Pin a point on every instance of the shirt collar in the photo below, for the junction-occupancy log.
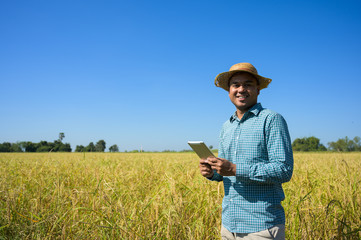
(255, 110)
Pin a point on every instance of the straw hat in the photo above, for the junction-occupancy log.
(222, 79)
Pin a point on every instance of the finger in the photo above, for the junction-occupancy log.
(221, 160)
(214, 167)
(212, 160)
(202, 167)
(206, 170)
(204, 164)
(215, 163)
(203, 161)
(206, 173)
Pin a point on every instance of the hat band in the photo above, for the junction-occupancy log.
(246, 69)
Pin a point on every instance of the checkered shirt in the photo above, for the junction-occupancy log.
(260, 146)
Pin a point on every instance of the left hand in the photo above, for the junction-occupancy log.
(222, 166)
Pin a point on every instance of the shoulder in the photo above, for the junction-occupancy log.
(269, 114)
(272, 118)
(264, 114)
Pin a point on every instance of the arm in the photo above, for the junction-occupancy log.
(279, 168)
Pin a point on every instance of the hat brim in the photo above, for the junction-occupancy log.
(222, 79)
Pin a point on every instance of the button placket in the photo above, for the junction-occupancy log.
(238, 132)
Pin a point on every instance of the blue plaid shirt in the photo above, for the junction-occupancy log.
(260, 146)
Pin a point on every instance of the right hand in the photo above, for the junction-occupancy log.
(205, 168)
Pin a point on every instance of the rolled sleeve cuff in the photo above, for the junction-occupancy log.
(216, 177)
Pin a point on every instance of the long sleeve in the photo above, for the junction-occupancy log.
(279, 167)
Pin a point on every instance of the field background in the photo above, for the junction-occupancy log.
(162, 196)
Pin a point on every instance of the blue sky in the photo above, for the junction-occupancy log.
(141, 73)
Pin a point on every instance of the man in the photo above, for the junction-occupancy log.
(254, 159)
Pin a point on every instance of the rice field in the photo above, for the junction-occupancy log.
(162, 196)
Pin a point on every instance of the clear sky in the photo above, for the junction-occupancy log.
(141, 73)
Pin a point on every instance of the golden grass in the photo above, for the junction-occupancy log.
(161, 196)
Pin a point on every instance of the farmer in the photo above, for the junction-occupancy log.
(254, 159)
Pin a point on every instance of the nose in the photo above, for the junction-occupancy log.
(242, 88)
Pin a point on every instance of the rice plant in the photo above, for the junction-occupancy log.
(161, 196)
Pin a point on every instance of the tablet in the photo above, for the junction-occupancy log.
(201, 149)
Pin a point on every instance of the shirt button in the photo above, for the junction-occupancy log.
(235, 152)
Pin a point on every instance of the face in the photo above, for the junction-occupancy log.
(243, 91)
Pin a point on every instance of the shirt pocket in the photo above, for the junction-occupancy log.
(226, 145)
(253, 146)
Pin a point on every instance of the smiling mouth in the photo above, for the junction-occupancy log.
(241, 97)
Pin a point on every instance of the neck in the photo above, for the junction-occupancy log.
(241, 112)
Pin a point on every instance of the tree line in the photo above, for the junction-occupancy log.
(306, 144)
(42, 146)
(100, 146)
(312, 144)
(56, 146)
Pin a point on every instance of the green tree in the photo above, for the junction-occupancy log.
(64, 147)
(90, 147)
(61, 136)
(80, 148)
(5, 147)
(30, 147)
(22, 145)
(44, 146)
(114, 148)
(56, 145)
(345, 145)
(16, 147)
(357, 141)
(308, 144)
(100, 146)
